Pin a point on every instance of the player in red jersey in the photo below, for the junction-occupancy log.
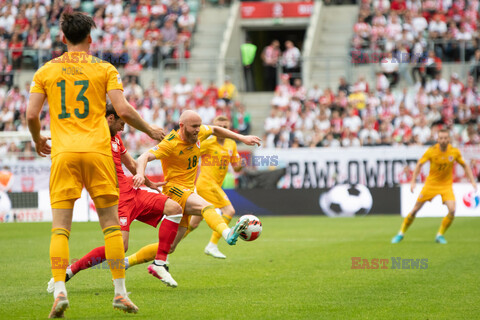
(142, 205)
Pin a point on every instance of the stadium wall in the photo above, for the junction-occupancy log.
(304, 175)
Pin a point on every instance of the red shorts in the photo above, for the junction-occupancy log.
(141, 205)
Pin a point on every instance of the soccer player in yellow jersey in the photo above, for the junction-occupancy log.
(217, 154)
(75, 86)
(180, 153)
(439, 182)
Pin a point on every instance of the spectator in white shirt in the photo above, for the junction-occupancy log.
(183, 91)
(389, 66)
(419, 24)
(186, 20)
(422, 131)
(437, 28)
(382, 83)
(368, 135)
(291, 61)
(115, 8)
(352, 121)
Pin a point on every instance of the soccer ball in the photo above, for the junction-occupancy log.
(346, 201)
(253, 230)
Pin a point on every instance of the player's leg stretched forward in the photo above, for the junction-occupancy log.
(196, 205)
(211, 249)
(166, 234)
(407, 222)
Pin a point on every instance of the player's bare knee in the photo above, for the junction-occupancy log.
(229, 212)
(125, 239)
(172, 208)
(194, 224)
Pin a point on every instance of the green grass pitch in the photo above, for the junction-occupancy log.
(300, 268)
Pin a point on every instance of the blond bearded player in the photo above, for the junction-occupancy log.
(217, 154)
(179, 153)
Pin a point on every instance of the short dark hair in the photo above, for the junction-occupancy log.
(111, 110)
(76, 26)
(444, 130)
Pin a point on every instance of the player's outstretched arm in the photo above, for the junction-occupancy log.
(416, 172)
(142, 161)
(469, 173)
(131, 116)
(225, 133)
(35, 104)
(131, 165)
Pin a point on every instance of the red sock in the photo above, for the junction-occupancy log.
(94, 257)
(166, 234)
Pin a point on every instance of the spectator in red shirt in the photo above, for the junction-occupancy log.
(153, 30)
(16, 46)
(399, 6)
(22, 22)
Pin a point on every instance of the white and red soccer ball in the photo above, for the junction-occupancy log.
(254, 228)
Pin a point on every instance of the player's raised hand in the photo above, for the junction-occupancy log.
(251, 140)
(154, 185)
(412, 185)
(42, 147)
(156, 133)
(138, 180)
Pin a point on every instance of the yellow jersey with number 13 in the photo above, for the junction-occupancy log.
(441, 164)
(179, 158)
(76, 85)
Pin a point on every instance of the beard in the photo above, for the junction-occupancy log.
(191, 138)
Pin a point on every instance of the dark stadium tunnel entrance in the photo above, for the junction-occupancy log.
(263, 37)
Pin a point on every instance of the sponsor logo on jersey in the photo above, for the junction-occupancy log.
(450, 158)
(123, 221)
(114, 147)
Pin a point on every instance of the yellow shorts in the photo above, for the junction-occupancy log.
(213, 194)
(180, 195)
(430, 192)
(71, 171)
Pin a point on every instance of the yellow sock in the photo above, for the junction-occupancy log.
(406, 223)
(213, 219)
(189, 229)
(114, 251)
(446, 222)
(143, 255)
(59, 253)
(215, 235)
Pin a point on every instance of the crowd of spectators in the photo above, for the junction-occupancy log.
(141, 32)
(159, 105)
(419, 33)
(362, 115)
